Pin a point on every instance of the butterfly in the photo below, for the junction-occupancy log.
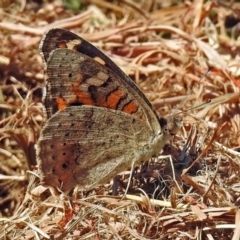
(98, 123)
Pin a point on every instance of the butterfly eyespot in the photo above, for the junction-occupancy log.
(65, 166)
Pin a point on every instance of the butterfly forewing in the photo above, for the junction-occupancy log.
(59, 38)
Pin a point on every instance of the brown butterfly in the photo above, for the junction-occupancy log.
(98, 121)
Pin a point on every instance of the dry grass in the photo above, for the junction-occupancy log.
(166, 50)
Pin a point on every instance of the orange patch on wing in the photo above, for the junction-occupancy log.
(114, 98)
(81, 97)
(84, 98)
(61, 103)
(130, 108)
(62, 45)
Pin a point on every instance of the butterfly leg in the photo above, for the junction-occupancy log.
(115, 186)
(129, 181)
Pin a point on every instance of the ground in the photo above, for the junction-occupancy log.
(184, 57)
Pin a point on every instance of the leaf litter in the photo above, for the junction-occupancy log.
(191, 190)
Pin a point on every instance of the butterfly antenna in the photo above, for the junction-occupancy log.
(181, 103)
(197, 106)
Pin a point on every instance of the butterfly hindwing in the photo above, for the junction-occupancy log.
(90, 145)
